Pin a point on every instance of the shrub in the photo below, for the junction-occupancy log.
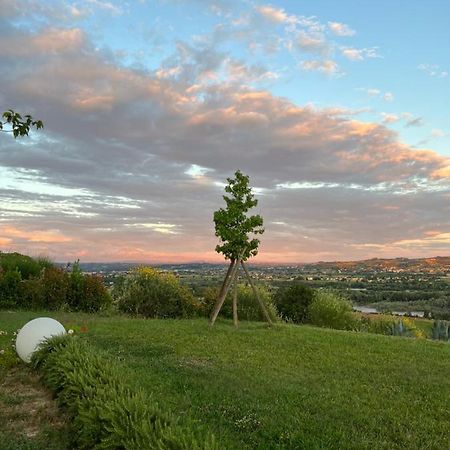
(37, 284)
(9, 288)
(54, 287)
(330, 310)
(86, 292)
(106, 412)
(25, 265)
(152, 293)
(293, 302)
(376, 325)
(95, 295)
(409, 328)
(32, 294)
(75, 287)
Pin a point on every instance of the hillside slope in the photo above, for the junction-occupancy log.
(286, 387)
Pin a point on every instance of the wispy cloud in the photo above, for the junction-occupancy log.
(327, 66)
(374, 92)
(359, 54)
(276, 15)
(433, 70)
(340, 29)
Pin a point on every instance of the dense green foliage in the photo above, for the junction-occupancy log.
(152, 293)
(284, 387)
(248, 306)
(36, 283)
(106, 412)
(330, 310)
(233, 226)
(387, 291)
(293, 302)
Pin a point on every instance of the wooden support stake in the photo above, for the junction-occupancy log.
(230, 268)
(255, 292)
(235, 293)
(224, 291)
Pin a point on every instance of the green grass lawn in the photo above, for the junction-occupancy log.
(285, 387)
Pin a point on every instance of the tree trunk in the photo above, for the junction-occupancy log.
(261, 303)
(235, 293)
(223, 291)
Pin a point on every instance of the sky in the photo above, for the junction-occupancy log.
(337, 111)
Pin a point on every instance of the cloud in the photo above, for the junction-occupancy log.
(106, 6)
(340, 29)
(411, 120)
(276, 15)
(131, 163)
(359, 54)
(7, 233)
(437, 133)
(435, 242)
(373, 92)
(389, 118)
(327, 66)
(433, 70)
(408, 119)
(48, 41)
(163, 228)
(312, 43)
(280, 31)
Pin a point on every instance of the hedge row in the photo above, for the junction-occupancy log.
(38, 284)
(106, 413)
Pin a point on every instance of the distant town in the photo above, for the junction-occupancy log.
(419, 287)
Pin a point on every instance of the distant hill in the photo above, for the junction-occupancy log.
(438, 263)
(434, 264)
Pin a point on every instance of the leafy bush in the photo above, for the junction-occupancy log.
(330, 310)
(27, 267)
(376, 325)
(75, 286)
(106, 412)
(293, 302)
(54, 287)
(86, 292)
(248, 306)
(38, 284)
(10, 288)
(152, 293)
(96, 296)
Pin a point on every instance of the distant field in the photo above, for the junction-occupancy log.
(286, 387)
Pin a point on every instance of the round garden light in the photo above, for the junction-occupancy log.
(35, 332)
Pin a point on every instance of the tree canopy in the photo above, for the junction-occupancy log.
(19, 126)
(233, 226)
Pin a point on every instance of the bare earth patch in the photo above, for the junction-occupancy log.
(28, 409)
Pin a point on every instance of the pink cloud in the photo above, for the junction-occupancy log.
(340, 29)
(277, 15)
(49, 41)
(10, 233)
(326, 66)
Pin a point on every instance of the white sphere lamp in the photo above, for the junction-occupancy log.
(35, 332)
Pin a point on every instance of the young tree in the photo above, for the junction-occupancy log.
(19, 126)
(237, 233)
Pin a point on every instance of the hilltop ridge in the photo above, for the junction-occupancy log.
(410, 264)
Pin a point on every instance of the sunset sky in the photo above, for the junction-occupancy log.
(339, 111)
